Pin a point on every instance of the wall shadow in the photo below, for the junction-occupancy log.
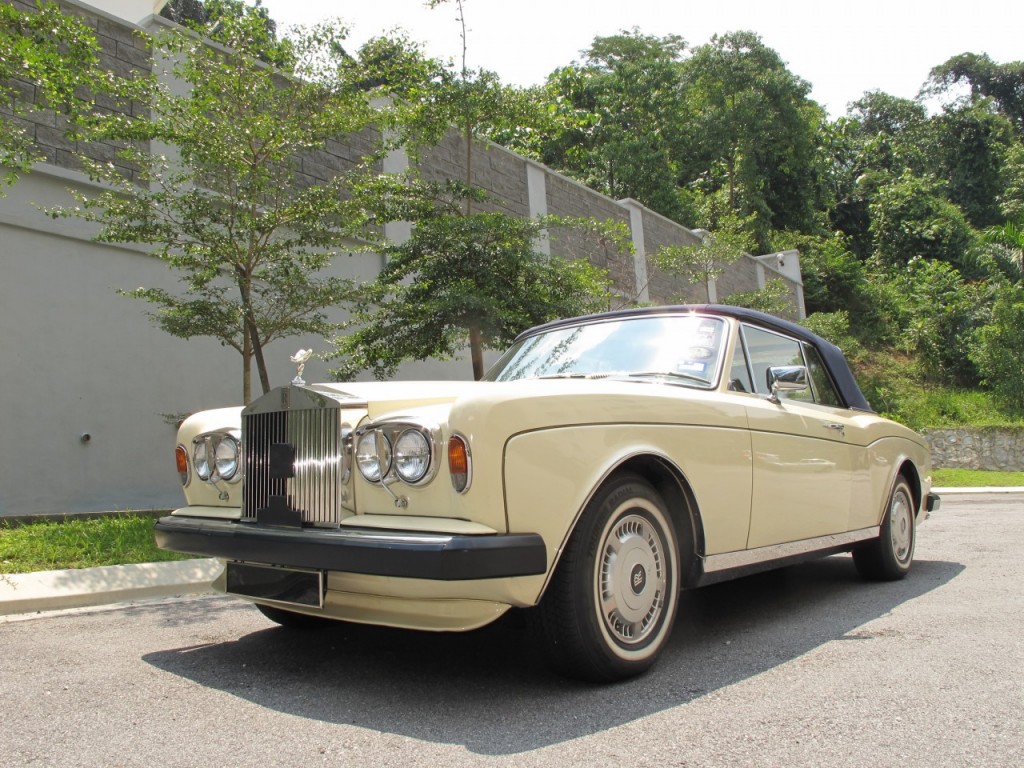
(489, 690)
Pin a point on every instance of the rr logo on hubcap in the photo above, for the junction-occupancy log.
(638, 579)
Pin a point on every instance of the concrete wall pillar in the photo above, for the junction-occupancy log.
(636, 227)
(537, 200)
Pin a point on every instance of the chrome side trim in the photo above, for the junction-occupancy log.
(729, 560)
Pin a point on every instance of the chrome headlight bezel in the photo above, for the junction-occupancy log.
(208, 462)
(372, 455)
(412, 456)
(381, 460)
(227, 454)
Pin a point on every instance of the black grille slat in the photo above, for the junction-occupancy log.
(319, 462)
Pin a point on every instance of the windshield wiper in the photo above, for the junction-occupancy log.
(667, 375)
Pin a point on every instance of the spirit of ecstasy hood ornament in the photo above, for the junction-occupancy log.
(300, 358)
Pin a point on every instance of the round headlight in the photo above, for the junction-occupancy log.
(226, 457)
(412, 455)
(373, 455)
(201, 460)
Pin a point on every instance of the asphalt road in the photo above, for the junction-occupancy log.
(807, 666)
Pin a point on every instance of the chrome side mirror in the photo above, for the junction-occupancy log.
(786, 378)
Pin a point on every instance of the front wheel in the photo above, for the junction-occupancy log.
(888, 558)
(611, 604)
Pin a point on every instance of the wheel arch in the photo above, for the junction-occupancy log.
(671, 484)
(909, 472)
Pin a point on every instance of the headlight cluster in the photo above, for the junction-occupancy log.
(217, 456)
(405, 451)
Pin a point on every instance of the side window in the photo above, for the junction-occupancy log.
(739, 374)
(824, 390)
(767, 350)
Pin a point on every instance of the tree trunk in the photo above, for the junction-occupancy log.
(252, 335)
(257, 351)
(476, 352)
(246, 365)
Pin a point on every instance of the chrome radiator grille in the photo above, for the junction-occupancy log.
(319, 465)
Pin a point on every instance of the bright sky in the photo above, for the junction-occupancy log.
(842, 48)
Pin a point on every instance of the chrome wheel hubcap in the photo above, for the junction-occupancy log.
(901, 526)
(631, 579)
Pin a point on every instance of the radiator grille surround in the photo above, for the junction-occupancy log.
(311, 424)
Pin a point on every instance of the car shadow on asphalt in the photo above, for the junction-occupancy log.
(490, 691)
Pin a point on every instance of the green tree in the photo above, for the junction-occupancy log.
(752, 131)
(836, 280)
(225, 206)
(233, 23)
(999, 348)
(466, 275)
(985, 79)
(463, 280)
(707, 260)
(938, 313)
(617, 118)
(971, 144)
(1011, 201)
(880, 138)
(48, 61)
(1005, 247)
(910, 218)
(472, 101)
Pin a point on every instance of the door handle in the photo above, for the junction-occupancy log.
(840, 428)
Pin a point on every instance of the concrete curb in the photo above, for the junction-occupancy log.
(57, 590)
(989, 489)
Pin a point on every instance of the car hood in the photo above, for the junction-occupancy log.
(561, 401)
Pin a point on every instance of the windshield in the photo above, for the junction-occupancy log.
(683, 349)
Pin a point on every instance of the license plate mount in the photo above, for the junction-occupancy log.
(290, 586)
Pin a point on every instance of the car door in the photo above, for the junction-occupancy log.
(803, 461)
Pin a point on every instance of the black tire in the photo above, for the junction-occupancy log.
(889, 557)
(293, 620)
(611, 604)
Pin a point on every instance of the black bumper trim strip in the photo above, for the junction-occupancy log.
(443, 557)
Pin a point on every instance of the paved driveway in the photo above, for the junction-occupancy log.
(807, 666)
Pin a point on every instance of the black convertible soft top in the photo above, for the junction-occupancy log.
(830, 353)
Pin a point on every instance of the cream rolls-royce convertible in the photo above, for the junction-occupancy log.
(604, 464)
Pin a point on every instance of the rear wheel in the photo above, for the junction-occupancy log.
(294, 620)
(611, 604)
(889, 557)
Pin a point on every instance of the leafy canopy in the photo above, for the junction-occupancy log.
(48, 60)
(460, 279)
(222, 198)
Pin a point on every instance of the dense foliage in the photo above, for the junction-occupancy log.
(48, 61)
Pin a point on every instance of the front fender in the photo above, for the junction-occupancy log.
(551, 474)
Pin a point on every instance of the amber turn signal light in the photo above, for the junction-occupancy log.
(181, 460)
(458, 462)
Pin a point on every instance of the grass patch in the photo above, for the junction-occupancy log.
(109, 540)
(976, 478)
